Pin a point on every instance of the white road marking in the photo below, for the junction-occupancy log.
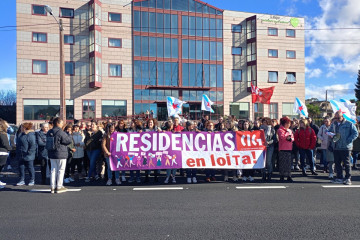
(341, 186)
(48, 190)
(156, 189)
(262, 187)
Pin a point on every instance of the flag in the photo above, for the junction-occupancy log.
(262, 95)
(206, 104)
(300, 108)
(174, 106)
(347, 108)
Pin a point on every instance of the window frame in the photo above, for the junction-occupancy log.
(277, 80)
(72, 37)
(288, 79)
(109, 70)
(73, 63)
(236, 54)
(232, 28)
(36, 14)
(60, 15)
(32, 66)
(273, 35)
(120, 17)
(115, 39)
(32, 37)
(277, 113)
(290, 51)
(291, 30)
(102, 105)
(277, 51)
(232, 75)
(82, 109)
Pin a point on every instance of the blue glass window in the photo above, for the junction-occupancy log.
(174, 24)
(273, 53)
(199, 50)
(160, 47)
(212, 75)
(220, 96)
(185, 25)
(145, 72)
(272, 31)
(152, 79)
(198, 26)
(206, 75)
(152, 22)
(236, 75)
(161, 73)
(137, 21)
(212, 10)
(145, 3)
(213, 51)
(191, 6)
(152, 3)
(152, 47)
(290, 33)
(167, 23)
(192, 26)
(192, 71)
(160, 4)
(199, 7)
(236, 51)
(212, 27)
(219, 51)
(70, 68)
(137, 72)
(137, 46)
(159, 22)
(137, 94)
(199, 75)
(144, 21)
(192, 49)
(185, 74)
(174, 48)
(185, 49)
(167, 70)
(273, 77)
(206, 50)
(219, 76)
(167, 4)
(236, 28)
(174, 74)
(144, 46)
(219, 28)
(206, 26)
(167, 44)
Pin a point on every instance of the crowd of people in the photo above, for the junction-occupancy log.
(81, 150)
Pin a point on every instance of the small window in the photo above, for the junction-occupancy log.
(39, 37)
(290, 33)
(38, 10)
(67, 12)
(89, 109)
(272, 31)
(70, 68)
(291, 77)
(39, 67)
(273, 53)
(69, 39)
(236, 75)
(115, 42)
(273, 111)
(236, 51)
(236, 28)
(115, 70)
(114, 17)
(258, 110)
(273, 77)
(291, 54)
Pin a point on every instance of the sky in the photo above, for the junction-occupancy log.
(332, 41)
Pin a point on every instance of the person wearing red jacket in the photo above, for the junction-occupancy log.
(305, 140)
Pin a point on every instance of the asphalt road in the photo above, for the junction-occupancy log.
(300, 210)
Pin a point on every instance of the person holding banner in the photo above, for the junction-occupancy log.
(248, 174)
(191, 173)
(121, 127)
(107, 154)
(93, 140)
(210, 173)
(151, 126)
(286, 138)
(169, 172)
(135, 126)
(271, 139)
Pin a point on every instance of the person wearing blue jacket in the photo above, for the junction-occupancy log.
(344, 135)
(25, 153)
(58, 154)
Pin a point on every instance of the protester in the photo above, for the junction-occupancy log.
(356, 148)
(121, 127)
(107, 155)
(210, 173)
(256, 125)
(286, 138)
(135, 126)
(71, 150)
(275, 158)
(151, 126)
(93, 140)
(4, 147)
(177, 127)
(57, 145)
(248, 174)
(218, 125)
(25, 152)
(316, 130)
(78, 156)
(201, 125)
(345, 133)
(323, 138)
(9, 132)
(191, 173)
(295, 150)
(42, 151)
(271, 139)
(170, 172)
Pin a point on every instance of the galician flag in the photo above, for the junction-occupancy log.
(206, 104)
(300, 107)
(174, 106)
(347, 108)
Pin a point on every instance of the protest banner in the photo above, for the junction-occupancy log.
(166, 150)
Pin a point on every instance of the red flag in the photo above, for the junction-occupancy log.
(262, 95)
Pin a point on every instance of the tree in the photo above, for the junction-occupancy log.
(7, 98)
(313, 110)
(357, 87)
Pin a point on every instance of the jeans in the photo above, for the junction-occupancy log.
(191, 173)
(109, 172)
(30, 167)
(170, 172)
(355, 155)
(323, 159)
(308, 153)
(76, 162)
(93, 156)
(57, 172)
(269, 156)
(339, 157)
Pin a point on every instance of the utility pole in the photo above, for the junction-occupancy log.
(62, 74)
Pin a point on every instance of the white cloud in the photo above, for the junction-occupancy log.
(335, 91)
(339, 46)
(8, 84)
(313, 73)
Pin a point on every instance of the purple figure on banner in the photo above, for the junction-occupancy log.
(138, 162)
(173, 160)
(127, 160)
(144, 159)
(151, 157)
(119, 161)
(167, 162)
(158, 159)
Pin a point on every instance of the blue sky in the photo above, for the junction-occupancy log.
(332, 56)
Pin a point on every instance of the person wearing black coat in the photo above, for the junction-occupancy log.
(58, 155)
(4, 147)
(42, 151)
(25, 152)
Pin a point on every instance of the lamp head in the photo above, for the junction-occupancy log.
(48, 9)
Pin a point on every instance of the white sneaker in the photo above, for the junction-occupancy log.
(226, 178)
(251, 179)
(188, 180)
(194, 180)
(117, 181)
(71, 179)
(173, 180)
(2, 183)
(166, 180)
(244, 179)
(66, 180)
(331, 175)
(123, 179)
(109, 182)
(347, 182)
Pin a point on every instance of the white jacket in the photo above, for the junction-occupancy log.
(78, 138)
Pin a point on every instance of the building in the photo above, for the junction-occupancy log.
(124, 57)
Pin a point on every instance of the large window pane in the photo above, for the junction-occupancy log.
(212, 75)
(192, 71)
(199, 75)
(167, 70)
(236, 75)
(167, 23)
(206, 30)
(185, 49)
(167, 44)
(206, 75)
(137, 46)
(199, 50)
(144, 21)
(69, 68)
(161, 81)
(174, 74)
(160, 4)
(213, 51)
(174, 48)
(39, 67)
(160, 47)
(152, 22)
(144, 46)
(192, 49)
(291, 76)
(191, 6)
(192, 26)
(159, 22)
(219, 76)
(185, 74)
(137, 72)
(152, 3)
(185, 25)
(145, 72)
(212, 27)
(152, 47)
(137, 94)
(219, 51)
(174, 24)
(152, 68)
(167, 4)
(206, 50)
(219, 27)
(198, 26)
(113, 108)
(273, 77)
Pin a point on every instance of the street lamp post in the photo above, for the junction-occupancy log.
(62, 65)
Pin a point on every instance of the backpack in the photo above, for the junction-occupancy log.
(50, 141)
